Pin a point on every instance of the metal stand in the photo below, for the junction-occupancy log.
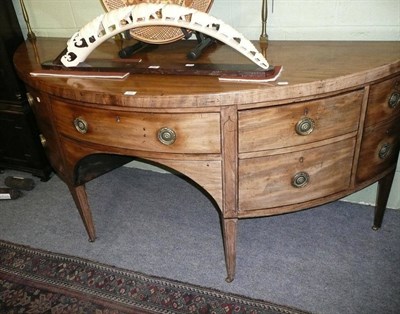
(31, 34)
(203, 41)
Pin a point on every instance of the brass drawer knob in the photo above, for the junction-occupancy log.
(166, 136)
(305, 126)
(394, 100)
(300, 179)
(81, 125)
(31, 101)
(385, 151)
(43, 140)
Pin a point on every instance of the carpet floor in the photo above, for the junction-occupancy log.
(37, 281)
(323, 260)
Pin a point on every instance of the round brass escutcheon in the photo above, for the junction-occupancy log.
(300, 179)
(81, 125)
(394, 100)
(166, 136)
(385, 151)
(305, 126)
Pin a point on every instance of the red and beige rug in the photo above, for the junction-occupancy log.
(36, 281)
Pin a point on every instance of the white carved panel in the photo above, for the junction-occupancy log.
(114, 22)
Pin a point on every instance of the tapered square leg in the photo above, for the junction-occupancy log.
(230, 235)
(384, 186)
(80, 197)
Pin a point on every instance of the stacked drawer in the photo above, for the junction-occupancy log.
(49, 139)
(381, 137)
(295, 153)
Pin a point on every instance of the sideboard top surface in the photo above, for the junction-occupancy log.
(309, 68)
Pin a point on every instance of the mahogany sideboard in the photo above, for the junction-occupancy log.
(329, 125)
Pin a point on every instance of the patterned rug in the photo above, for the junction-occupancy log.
(36, 281)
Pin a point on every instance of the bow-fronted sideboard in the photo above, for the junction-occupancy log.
(327, 127)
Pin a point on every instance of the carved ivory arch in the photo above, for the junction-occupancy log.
(103, 27)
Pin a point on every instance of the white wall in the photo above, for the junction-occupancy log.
(315, 19)
(290, 20)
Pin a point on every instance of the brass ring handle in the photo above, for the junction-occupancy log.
(305, 126)
(394, 100)
(81, 125)
(166, 136)
(300, 179)
(385, 151)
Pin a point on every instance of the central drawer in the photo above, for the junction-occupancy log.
(296, 124)
(285, 179)
(156, 132)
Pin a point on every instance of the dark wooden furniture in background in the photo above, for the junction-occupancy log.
(20, 146)
(329, 127)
